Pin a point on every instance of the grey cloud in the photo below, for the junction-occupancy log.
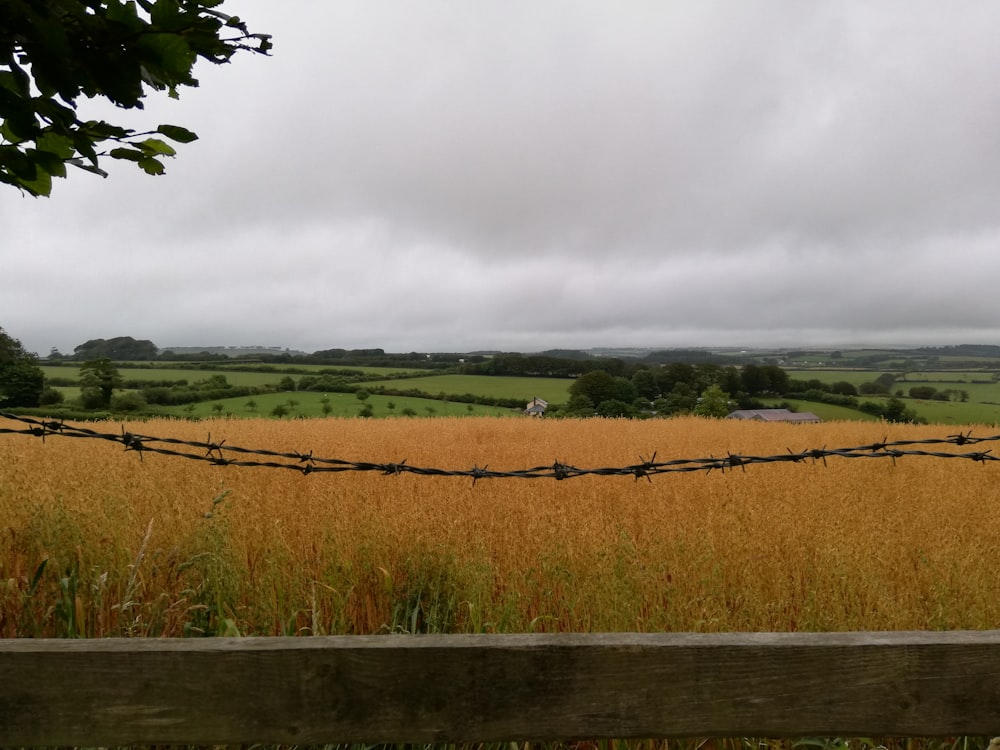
(492, 175)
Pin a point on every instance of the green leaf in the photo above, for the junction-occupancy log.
(169, 59)
(15, 161)
(100, 130)
(9, 82)
(165, 12)
(46, 161)
(130, 154)
(20, 121)
(154, 146)
(61, 116)
(40, 186)
(177, 133)
(56, 144)
(124, 13)
(84, 146)
(37, 577)
(151, 166)
(8, 135)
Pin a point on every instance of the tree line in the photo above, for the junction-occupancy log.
(607, 387)
(716, 390)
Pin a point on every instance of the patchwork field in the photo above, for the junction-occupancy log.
(96, 541)
(982, 406)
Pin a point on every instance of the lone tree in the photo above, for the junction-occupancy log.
(21, 380)
(98, 380)
(714, 402)
(52, 52)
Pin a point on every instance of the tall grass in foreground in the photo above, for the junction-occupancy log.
(96, 542)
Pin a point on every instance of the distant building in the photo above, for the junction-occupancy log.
(774, 415)
(536, 407)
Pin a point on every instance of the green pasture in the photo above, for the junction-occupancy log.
(310, 404)
(982, 407)
(192, 375)
(935, 412)
(169, 373)
(228, 367)
(553, 390)
(938, 378)
(955, 412)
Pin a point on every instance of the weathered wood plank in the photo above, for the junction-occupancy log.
(495, 687)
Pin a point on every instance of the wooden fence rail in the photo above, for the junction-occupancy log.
(469, 688)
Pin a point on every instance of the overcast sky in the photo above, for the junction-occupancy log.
(529, 174)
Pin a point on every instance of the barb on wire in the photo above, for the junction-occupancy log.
(220, 454)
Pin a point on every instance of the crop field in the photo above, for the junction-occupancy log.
(97, 541)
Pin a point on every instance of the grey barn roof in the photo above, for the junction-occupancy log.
(774, 415)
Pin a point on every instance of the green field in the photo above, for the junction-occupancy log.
(233, 377)
(982, 407)
(310, 404)
(553, 390)
(947, 378)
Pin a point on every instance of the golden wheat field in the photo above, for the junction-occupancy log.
(98, 541)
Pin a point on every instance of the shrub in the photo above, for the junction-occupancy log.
(50, 396)
(127, 402)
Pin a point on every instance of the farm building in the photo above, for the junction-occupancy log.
(536, 407)
(774, 415)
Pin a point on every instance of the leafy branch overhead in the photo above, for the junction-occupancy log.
(52, 52)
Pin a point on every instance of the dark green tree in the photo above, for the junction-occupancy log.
(681, 399)
(645, 383)
(714, 402)
(21, 380)
(896, 411)
(119, 348)
(129, 401)
(755, 380)
(578, 406)
(677, 372)
(98, 380)
(844, 388)
(53, 52)
(50, 397)
(886, 379)
(596, 386)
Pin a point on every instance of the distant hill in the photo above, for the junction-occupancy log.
(989, 351)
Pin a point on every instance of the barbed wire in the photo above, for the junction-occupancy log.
(218, 453)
